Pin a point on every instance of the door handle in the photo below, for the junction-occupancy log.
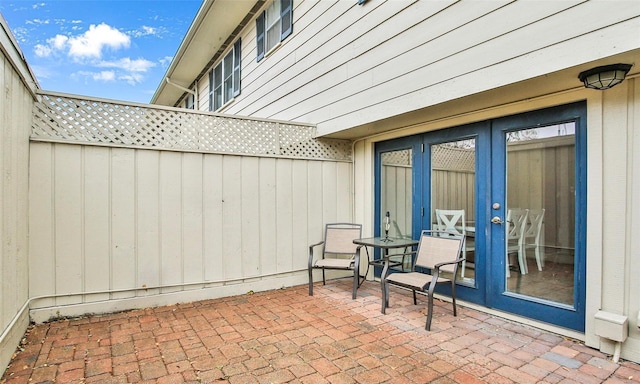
(497, 220)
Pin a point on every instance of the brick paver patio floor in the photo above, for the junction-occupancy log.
(285, 336)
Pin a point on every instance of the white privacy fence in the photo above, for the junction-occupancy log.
(133, 206)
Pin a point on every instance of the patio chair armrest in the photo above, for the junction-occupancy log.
(311, 252)
(456, 261)
(316, 244)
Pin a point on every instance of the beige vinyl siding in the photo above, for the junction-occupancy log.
(348, 64)
(16, 106)
(118, 218)
(619, 112)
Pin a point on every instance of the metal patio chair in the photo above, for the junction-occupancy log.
(435, 255)
(338, 253)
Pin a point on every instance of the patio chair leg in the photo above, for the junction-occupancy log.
(385, 294)
(453, 297)
(324, 281)
(415, 298)
(356, 278)
(429, 312)
(310, 282)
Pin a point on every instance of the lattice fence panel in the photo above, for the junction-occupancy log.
(450, 158)
(444, 157)
(66, 118)
(397, 158)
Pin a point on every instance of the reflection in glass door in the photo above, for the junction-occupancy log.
(453, 197)
(395, 198)
(540, 225)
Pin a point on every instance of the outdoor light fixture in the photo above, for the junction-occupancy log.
(604, 77)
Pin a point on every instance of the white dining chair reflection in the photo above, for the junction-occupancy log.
(453, 221)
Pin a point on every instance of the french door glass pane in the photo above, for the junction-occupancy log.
(540, 222)
(396, 189)
(453, 186)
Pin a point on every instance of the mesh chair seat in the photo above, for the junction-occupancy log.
(334, 263)
(413, 279)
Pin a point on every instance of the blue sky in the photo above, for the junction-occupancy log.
(113, 49)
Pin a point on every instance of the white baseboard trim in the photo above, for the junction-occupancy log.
(159, 297)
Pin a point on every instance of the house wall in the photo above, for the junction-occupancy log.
(169, 226)
(16, 103)
(613, 209)
(613, 212)
(347, 64)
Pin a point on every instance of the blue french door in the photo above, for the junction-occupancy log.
(521, 183)
(538, 167)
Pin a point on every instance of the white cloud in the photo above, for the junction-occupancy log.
(42, 50)
(88, 48)
(126, 64)
(38, 5)
(145, 31)
(95, 40)
(104, 76)
(54, 44)
(89, 45)
(131, 71)
(58, 42)
(37, 21)
(21, 34)
(132, 78)
(165, 61)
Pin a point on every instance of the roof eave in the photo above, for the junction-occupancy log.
(209, 32)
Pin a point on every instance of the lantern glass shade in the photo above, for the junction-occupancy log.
(604, 77)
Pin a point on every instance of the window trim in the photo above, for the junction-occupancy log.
(286, 28)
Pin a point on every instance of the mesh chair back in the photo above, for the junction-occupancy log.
(339, 238)
(434, 249)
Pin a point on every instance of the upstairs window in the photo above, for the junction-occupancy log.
(273, 25)
(189, 101)
(224, 79)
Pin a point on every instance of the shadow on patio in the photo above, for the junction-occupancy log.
(285, 336)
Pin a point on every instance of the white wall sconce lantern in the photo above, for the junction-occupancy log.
(604, 77)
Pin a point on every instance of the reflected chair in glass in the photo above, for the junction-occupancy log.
(435, 254)
(338, 253)
(531, 236)
(516, 222)
(452, 221)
